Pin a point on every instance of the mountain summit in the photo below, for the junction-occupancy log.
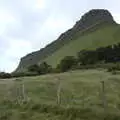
(95, 28)
(93, 16)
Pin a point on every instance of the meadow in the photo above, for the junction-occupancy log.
(80, 92)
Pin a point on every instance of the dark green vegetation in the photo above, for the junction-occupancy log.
(95, 29)
(5, 75)
(109, 54)
(81, 97)
(67, 63)
(43, 68)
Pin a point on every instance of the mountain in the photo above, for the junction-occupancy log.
(95, 28)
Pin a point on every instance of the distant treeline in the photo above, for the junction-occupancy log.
(107, 54)
(4, 75)
(100, 57)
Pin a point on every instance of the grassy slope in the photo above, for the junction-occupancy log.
(80, 89)
(104, 36)
(81, 84)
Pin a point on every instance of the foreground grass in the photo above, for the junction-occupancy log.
(32, 111)
(81, 97)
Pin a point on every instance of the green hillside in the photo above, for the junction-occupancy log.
(105, 35)
(95, 28)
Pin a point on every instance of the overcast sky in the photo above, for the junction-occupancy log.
(28, 25)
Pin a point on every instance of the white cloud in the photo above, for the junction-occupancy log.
(18, 48)
(13, 52)
(5, 19)
(117, 17)
(7, 64)
(40, 4)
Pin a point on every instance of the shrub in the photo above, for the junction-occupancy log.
(113, 67)
(23, 74)
(33, 68)
(4, 75)
(67, 63)
(43, 68)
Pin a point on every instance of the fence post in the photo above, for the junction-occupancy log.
(59, 92)
(103, 95)
(23, 91)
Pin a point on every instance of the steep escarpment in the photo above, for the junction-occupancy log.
(89, 23)
(92, 17)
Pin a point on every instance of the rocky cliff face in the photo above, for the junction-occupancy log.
(88, 20)
(93, 16)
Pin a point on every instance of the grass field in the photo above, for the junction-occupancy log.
(81, 97)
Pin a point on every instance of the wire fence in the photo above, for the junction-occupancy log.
(103, 95)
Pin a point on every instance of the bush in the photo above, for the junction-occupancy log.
(43, 68)
(113, 67)
(33, 68)
(67, 63)
(4, 75)
(23, 74)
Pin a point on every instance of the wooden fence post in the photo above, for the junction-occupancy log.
(23, 91)
(103, 95)
(59, 92)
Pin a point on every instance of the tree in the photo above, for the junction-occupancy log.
(43, 68)
(87, 57)
(5, 75)
(67, 63)
(108, 54)
(33, 68)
